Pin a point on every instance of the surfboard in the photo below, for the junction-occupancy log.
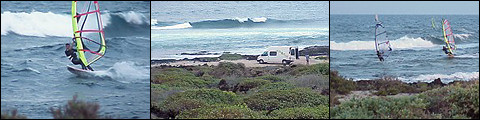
(80, 72)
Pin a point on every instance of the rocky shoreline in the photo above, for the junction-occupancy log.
(311, 50)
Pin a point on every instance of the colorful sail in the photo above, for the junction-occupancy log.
(448, 36)
(89, 37)
(382, 44)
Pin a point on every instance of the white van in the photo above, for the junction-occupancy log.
(279, 54)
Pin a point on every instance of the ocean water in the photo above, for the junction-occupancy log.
(245, 27)
(34, 73)
(417, 47)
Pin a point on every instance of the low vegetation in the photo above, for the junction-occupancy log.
(433, 100)
(74, 109)
(233, 91)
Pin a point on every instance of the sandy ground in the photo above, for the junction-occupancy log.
(248, 63)
(365, 94)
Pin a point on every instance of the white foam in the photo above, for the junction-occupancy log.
(36, 24)
(177, 26)
(134, 17)
(463, 76)
(126, 72)
(261, 19)
(154, 22)
(41, 24)
(401, 43)
(462, 36)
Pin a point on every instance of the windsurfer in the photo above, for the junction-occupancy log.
(446, 51)
(70, 53)
(380, 55)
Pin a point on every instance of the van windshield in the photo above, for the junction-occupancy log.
(265, 53)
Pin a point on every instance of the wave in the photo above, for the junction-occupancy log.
(126, 72)
(178, 26)
(43, 24)
(401, 43)
(227, 23)
(462, 36)
(462, 76)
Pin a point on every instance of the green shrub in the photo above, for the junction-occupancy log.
(319, 112)
(172, 108)
(224, 69)
(382, 108)
(248, 84)
(226, 112)
(179, 77)
(271, 78)
(309, 81)
(278, 99)
(14, 115)
(454, 101)
(228, 56)
(274, 86)
(340, 85)
(318, 69)
(209, 96)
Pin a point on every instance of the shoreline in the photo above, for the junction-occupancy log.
(318, 54)
(344, 89)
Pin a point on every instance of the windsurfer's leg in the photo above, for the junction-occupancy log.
(90, 68)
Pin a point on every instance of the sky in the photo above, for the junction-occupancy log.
(405, 7)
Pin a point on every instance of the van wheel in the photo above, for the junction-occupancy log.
(284, 62)
(261, 61)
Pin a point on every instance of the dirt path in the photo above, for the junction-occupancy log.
(365, 94)
(248, 63)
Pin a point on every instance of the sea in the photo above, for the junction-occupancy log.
(34, 75)
(417, 47)
(244, 27)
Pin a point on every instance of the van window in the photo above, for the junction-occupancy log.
(265, 53)
(273, 53)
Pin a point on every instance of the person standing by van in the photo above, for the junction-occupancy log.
(307, 57)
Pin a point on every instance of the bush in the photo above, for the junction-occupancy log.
(14, 115)
(274, 86)
(455, 100)
(318, 69)
(228, 56)
(278, 99)
(340, 85)
(209, 96)
(248, 84)
(173, 108)
(271, 78)
(310, 81)
(179, 77)
(319, 112)
(382, 108)
(226, 112)
(77, 110)
(224, 69)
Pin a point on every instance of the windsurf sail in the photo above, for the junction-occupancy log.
(433, 24)
(448, 36)
(382, 44)
(89, 37)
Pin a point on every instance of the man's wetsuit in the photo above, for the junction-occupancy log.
(73, 57)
